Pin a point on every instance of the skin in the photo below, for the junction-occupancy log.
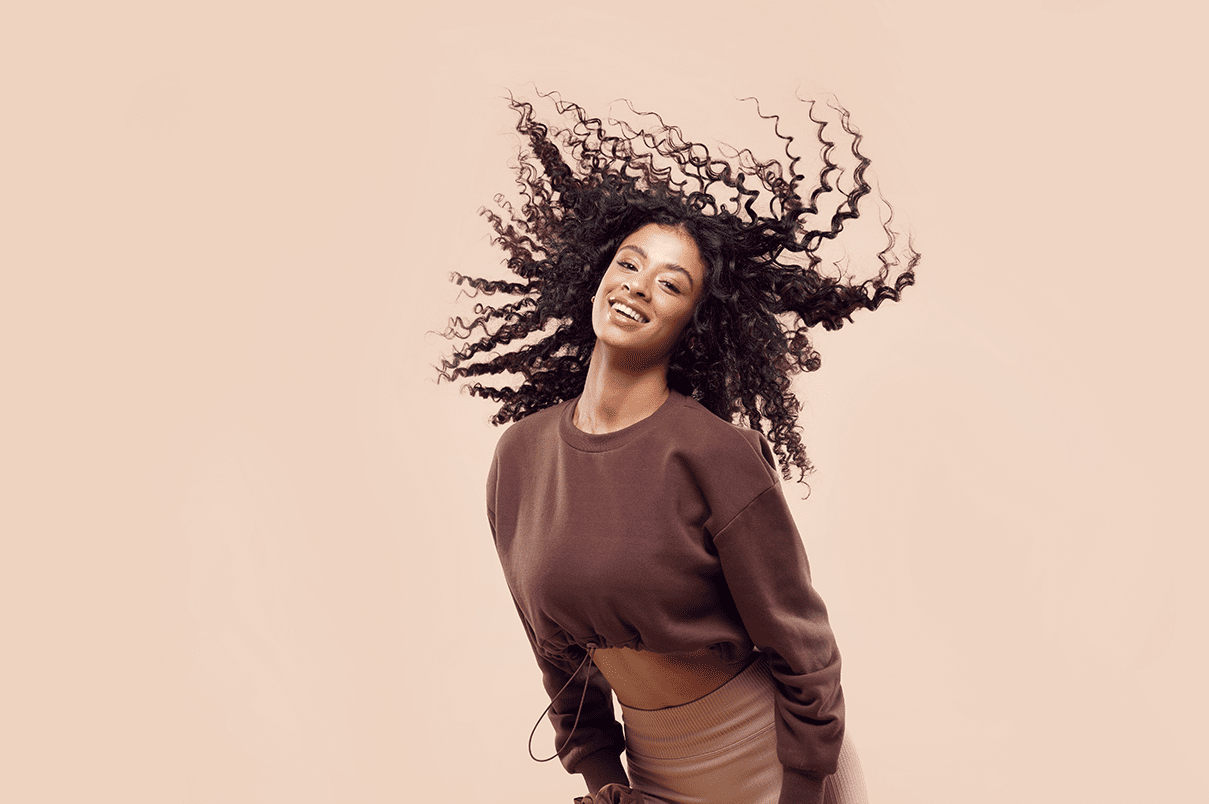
(645, 680)
(658, 272)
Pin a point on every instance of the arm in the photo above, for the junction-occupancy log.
(593, 746)
(769, 578)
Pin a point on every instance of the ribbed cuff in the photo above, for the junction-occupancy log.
(799, 787)
(601, 768)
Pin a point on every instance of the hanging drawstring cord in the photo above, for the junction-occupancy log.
(586, 660)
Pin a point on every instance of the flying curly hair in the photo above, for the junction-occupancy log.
(585, 188)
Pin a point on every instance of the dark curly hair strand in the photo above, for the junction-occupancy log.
(585, 190)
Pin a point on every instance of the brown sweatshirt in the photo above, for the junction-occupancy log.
(670, 535)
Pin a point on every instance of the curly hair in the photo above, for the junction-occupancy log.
(585, 189)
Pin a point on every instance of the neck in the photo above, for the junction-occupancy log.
(616, 395)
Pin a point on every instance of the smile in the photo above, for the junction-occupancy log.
(629, 312)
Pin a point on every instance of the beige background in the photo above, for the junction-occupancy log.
(244, 551)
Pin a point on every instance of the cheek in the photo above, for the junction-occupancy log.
(688, 317)
(682, 319)
(605, 282)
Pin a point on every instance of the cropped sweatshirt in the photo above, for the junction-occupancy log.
(670, 535)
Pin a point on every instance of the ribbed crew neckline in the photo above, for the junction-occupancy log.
(603, 442)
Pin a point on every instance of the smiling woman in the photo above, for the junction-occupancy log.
(649, 293)
(645, 300)
(642, 532)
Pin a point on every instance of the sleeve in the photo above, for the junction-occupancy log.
(593, 747)
(768, 575)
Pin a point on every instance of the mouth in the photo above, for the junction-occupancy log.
(628, 312)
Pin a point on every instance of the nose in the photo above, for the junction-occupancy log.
(637, 285)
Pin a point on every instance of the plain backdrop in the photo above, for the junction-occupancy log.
(243, 551)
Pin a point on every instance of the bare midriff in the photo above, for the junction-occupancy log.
(646, 680)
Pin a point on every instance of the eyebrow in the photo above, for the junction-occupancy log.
(673, 266)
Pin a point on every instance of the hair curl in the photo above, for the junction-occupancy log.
(584, 190)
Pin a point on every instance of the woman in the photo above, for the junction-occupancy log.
(645, 538)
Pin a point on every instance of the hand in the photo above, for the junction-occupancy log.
(613, 793)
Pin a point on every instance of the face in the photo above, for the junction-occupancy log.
(647, 295)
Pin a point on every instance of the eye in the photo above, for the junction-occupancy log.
(671, 286)
(629, 266)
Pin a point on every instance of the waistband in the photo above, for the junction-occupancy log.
(739, 709)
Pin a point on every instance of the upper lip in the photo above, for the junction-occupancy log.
(629, 302)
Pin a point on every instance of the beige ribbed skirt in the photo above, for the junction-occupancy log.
(722, 749)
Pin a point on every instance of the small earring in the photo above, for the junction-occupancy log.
(593, 300)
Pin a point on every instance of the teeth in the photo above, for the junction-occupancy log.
(629, 312)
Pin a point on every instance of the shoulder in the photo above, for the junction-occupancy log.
(532, 438)
(720, 447)
(531, 431)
